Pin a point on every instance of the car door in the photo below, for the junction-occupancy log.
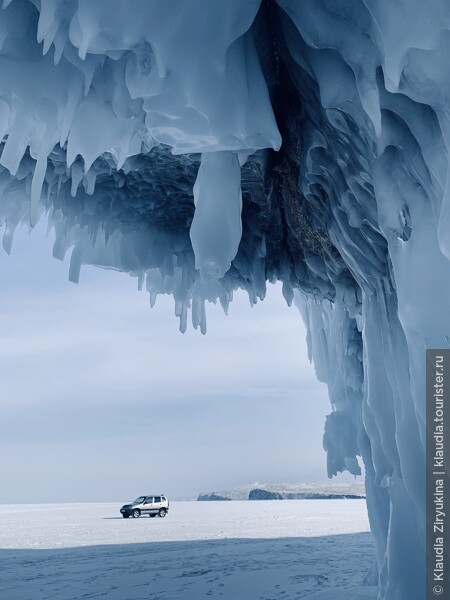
(148, 505)
(157, 503)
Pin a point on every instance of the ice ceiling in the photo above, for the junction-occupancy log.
(208, 145)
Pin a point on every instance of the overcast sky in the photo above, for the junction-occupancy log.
(103, 399)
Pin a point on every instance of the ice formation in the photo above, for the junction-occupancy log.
(204, 146)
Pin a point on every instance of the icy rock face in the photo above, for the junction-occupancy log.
(150, 136)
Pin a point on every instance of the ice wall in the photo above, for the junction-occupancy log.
(149, 134)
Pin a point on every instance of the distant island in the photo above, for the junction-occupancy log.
(286, 491)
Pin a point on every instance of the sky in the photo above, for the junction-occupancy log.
(103, 399)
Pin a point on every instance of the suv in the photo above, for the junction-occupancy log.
(146, 505)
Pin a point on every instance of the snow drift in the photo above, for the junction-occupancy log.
(204, 146)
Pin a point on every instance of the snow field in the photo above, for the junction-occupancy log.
(229, 550)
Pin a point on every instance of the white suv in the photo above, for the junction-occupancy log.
(146, 505)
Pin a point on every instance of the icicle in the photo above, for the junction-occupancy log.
(89, 181)
(75, 264)
(216, 227)
(36, 188)
(7, 239)
(77, 177)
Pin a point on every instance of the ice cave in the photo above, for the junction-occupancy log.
(207, 145)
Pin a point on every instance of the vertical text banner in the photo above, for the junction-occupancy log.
(437, 478)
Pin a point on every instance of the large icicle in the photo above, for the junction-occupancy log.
(216, 228)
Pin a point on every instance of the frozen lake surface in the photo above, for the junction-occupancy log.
(265, 550)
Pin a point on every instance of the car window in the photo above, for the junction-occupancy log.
(157, 498)
(139, 500)
(149, 500)
(163, 498)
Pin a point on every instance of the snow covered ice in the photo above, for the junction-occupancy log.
(204, 146)
(226, 550)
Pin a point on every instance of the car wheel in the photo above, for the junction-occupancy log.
(162, 512)
(152, 515)
(136, 513)
(125, 516)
